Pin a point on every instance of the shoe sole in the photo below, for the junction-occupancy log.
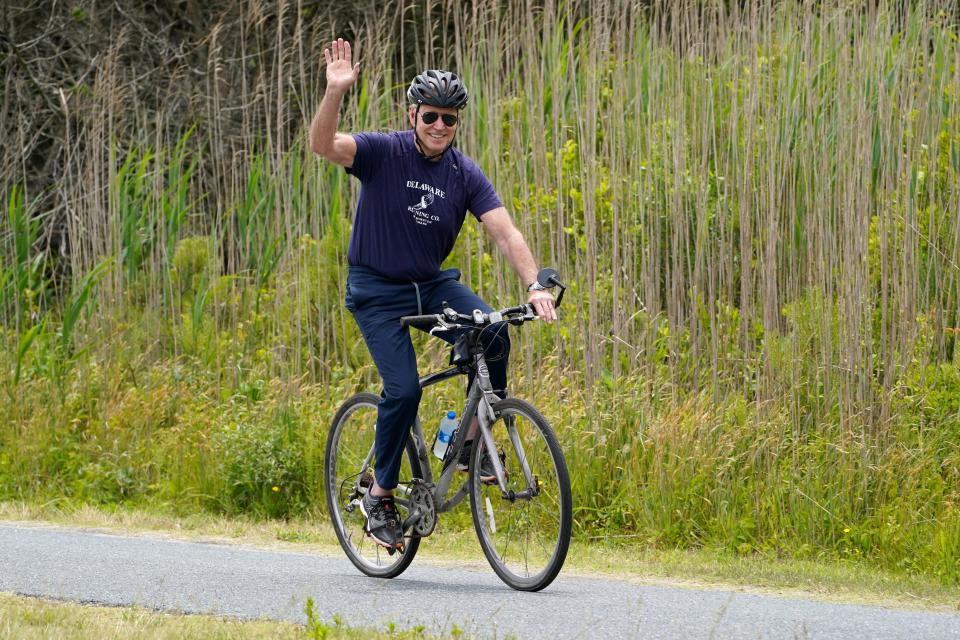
(398, 546)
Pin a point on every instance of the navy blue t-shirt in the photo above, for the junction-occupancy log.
(411, 209)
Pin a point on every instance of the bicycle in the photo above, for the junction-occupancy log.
(523, 520)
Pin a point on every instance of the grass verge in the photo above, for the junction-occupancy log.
(30, 618)
(615, 558)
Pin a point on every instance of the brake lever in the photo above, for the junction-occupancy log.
(528, 315)
(445, 326)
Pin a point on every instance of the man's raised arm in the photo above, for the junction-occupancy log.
(324, 138)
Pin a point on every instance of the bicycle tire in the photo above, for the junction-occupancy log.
(551, 511)
(370, 558)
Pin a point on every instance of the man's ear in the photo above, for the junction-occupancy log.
(411, 114)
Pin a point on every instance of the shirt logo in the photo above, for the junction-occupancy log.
(425, 202)
(420, 214)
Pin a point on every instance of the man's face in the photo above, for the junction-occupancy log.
(437, 135)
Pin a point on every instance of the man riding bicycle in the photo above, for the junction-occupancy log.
(415, 190)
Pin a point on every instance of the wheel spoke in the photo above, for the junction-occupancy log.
(349, 447)
(532, 535)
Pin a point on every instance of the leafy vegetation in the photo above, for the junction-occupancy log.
(755, 210)
(26, 617)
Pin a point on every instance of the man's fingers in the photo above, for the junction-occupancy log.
(545, 310)
(551, 309)
(339, 50)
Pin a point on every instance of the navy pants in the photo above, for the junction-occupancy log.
(377, 304)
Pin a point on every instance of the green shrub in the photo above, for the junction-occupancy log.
(193, 265)
(262, 465)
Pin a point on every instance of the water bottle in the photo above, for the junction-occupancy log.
(447, 426)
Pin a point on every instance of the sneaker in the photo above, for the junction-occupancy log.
(383, 522)
(487, 474)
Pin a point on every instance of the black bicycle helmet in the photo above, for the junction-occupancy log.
(438, 89)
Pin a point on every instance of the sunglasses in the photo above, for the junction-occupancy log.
(429, 117)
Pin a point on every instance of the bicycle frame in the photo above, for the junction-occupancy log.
(480, 400)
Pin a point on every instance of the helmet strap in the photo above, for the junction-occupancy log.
(416, 137)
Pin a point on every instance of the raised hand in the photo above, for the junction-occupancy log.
(341, 72)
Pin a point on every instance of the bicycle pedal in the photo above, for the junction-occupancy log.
(398, 548)
(389, 549)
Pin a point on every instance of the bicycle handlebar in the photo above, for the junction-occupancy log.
(410, 321)
(451, 319)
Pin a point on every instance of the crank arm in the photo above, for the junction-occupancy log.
(412, 520)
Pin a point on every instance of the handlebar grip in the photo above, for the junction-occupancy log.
(523, 308)
(409, 321)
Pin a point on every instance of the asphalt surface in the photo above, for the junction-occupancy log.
(192, 577)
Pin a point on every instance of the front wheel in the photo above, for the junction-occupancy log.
(525, 534)
(348, 469)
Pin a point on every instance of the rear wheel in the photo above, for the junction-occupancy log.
(526, 534)
(348, 471)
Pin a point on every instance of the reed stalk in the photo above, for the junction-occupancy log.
(754, 204)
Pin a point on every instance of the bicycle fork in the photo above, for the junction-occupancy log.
(486, 422)
(486, 418)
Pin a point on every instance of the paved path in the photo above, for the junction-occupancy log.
(239, 581)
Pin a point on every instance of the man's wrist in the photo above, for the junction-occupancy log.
(535, 286)
(336, 93)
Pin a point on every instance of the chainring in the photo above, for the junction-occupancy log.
(421, 497)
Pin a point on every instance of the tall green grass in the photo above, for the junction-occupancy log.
(754, 207)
